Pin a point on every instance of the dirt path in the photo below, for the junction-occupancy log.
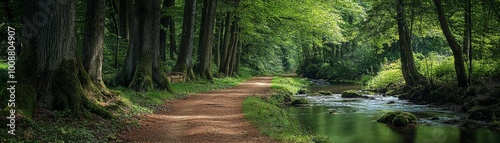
(205, 117)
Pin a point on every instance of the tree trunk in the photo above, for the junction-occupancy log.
(125, 75)
(225, 43)
(234, 52)
(52, 76)
(92, 57)
(410, 73)
(455, 48)
(206, 36)
(122, 17)
(219, 39)
(165, 22)
(230, 49)
(142, 70)
(173, 43)
(184, 60)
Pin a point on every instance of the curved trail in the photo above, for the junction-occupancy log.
(214, 116)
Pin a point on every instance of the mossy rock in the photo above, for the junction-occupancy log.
(297, 101)
(398, 118)
(324, 92)
(400, 121)
(351, 94)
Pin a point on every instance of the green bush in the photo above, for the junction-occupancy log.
(390, 74)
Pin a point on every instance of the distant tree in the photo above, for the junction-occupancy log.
(226, 41)
(167, 22)
(184, 60)
(206, 36)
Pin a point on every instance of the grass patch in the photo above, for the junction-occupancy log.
(288, 85)
(60, 126)
(269, 116)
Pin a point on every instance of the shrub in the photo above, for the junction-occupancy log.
(390, 74)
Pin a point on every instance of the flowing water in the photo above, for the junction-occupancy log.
(354, 120)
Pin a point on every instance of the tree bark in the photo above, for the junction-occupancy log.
(230, 49)
(142, 70)
(184, 60)
(206, 36)
(92, 53)
(165, 22)
(123, 21)
(220, 37)
(226, 42)
(173, 43)
(410, 73)
(455, 48)
(52, 76)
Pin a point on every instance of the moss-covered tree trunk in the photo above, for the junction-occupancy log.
(92, 53)
(206, 36)
(143, 70)
(49, 74)
(184, 62)
(455, 48)
(410, 73)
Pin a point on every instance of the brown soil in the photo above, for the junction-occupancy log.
(205, 117)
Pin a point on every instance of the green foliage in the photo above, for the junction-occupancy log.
(277, 122)
(389, 74)
(288, 85)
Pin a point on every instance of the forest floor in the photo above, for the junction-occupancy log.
(214, 116)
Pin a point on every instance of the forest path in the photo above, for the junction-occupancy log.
(214, 116)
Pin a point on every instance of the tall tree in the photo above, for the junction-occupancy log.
(92, 53)
(173, 43)
(206, 36)
(455, 48)
(231, 48)
(143, 70)
(122, 19)
(184, 60)
(168, 23)
(226, 41)
(52, 76)
(410, 73)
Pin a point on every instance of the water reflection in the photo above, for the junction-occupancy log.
(354, 121)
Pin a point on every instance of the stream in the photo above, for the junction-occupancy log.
(354, 120)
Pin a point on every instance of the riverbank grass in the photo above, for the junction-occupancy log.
(269, 116)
